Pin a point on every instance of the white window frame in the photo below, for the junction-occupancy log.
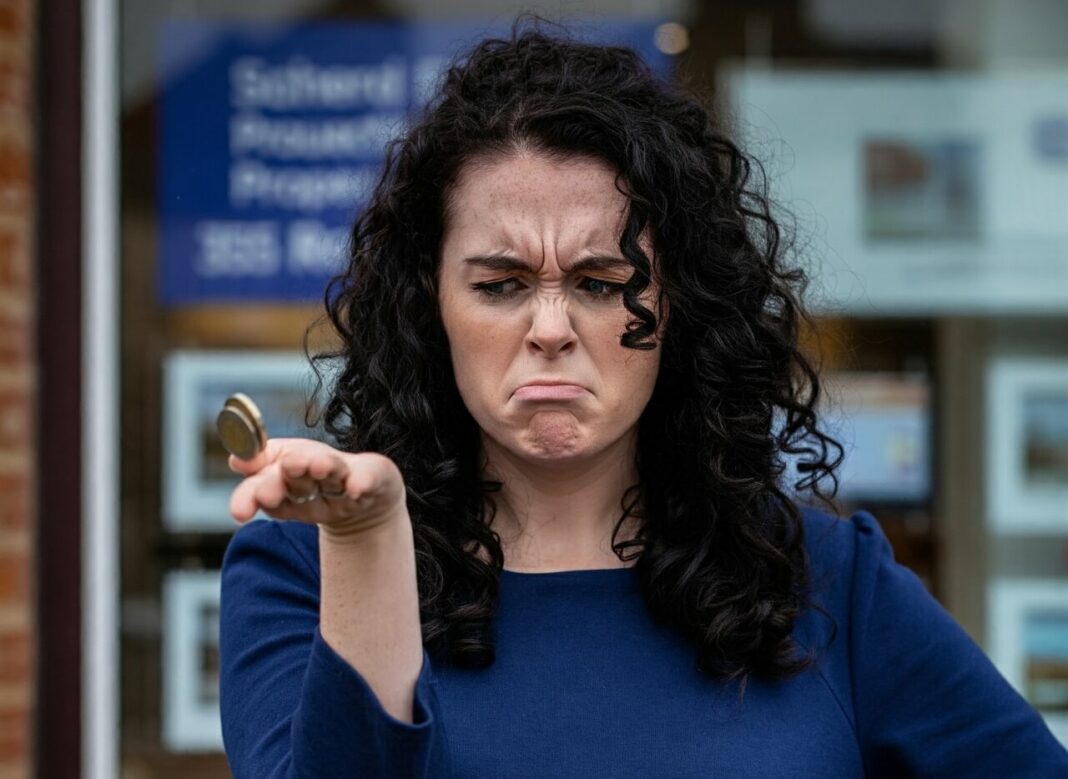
(100, 391)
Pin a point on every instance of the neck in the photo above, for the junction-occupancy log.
(553, 516)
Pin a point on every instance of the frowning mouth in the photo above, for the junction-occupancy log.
(550, 392)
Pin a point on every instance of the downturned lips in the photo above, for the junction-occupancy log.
(549, 390)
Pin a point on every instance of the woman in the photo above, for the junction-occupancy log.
(552, 538)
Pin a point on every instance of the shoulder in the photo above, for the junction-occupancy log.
(843, 546)
(854, 575)
(845, 554)
(852, 562)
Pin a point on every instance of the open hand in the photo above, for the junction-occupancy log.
(305, 480)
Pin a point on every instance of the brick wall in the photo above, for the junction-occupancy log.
(17, 386)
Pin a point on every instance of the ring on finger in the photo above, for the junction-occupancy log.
(299, 499)
(339, 493)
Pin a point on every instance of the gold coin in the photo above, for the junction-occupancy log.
(241, 428)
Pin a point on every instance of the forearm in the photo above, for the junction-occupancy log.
(369, 610)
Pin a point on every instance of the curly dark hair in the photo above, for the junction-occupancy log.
(720, 546)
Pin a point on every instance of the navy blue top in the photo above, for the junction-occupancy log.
(585, 684)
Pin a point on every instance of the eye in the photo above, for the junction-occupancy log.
(491, 289)
(602, 289)
(495, 291)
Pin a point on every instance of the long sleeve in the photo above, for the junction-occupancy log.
(929, 702)
(290, 705)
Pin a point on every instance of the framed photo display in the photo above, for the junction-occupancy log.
(884, 422)
(197, 482)
(1027, 445)
(190, 716)
(905, 187)
(1028, 641)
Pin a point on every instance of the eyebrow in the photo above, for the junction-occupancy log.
(505, 263)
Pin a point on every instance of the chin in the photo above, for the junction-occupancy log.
(548, 456)
(564, 453)
(549, 436)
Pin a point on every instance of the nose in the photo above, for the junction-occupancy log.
(551, 331)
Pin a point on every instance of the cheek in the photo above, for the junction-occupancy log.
(483, 352)
(631, 372)
(636, 371)
(478, 350)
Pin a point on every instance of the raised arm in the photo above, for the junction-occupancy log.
(322, 668)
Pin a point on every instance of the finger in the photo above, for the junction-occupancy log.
(270, 490)
(243, 501)
(360, 481)
(302, 468)
(343, 488)
(295, 471)
(330, 471)
(265, 490)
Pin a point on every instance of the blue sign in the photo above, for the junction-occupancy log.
(271, 139)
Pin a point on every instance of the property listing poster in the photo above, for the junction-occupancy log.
(271, 138)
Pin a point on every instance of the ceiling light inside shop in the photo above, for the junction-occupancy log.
(671, 38)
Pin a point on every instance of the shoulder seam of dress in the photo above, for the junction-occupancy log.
(838, 702)
(850, 720)
(851, 627)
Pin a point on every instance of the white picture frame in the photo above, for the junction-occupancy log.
(197, 483)
(190, 659)
(906, 187)
(1027, 445)
(884, 422)
(1027, 635)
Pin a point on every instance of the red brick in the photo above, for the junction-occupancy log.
(14, 338)
(15, 18)
(14, 657)
(15, 192)
(14, 500)
(14, 735)
(17, 33)
(15, 415)
(14, 586)
(14, 508)
(14, 163)
(14, 89)
(11, 21)
(14, 257)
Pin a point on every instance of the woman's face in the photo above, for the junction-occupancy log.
(528, 277)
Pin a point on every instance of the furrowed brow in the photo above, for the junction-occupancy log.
(502, 262)
(498, 262)
(599, 263)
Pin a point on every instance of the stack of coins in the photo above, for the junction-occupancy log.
(241, 427)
